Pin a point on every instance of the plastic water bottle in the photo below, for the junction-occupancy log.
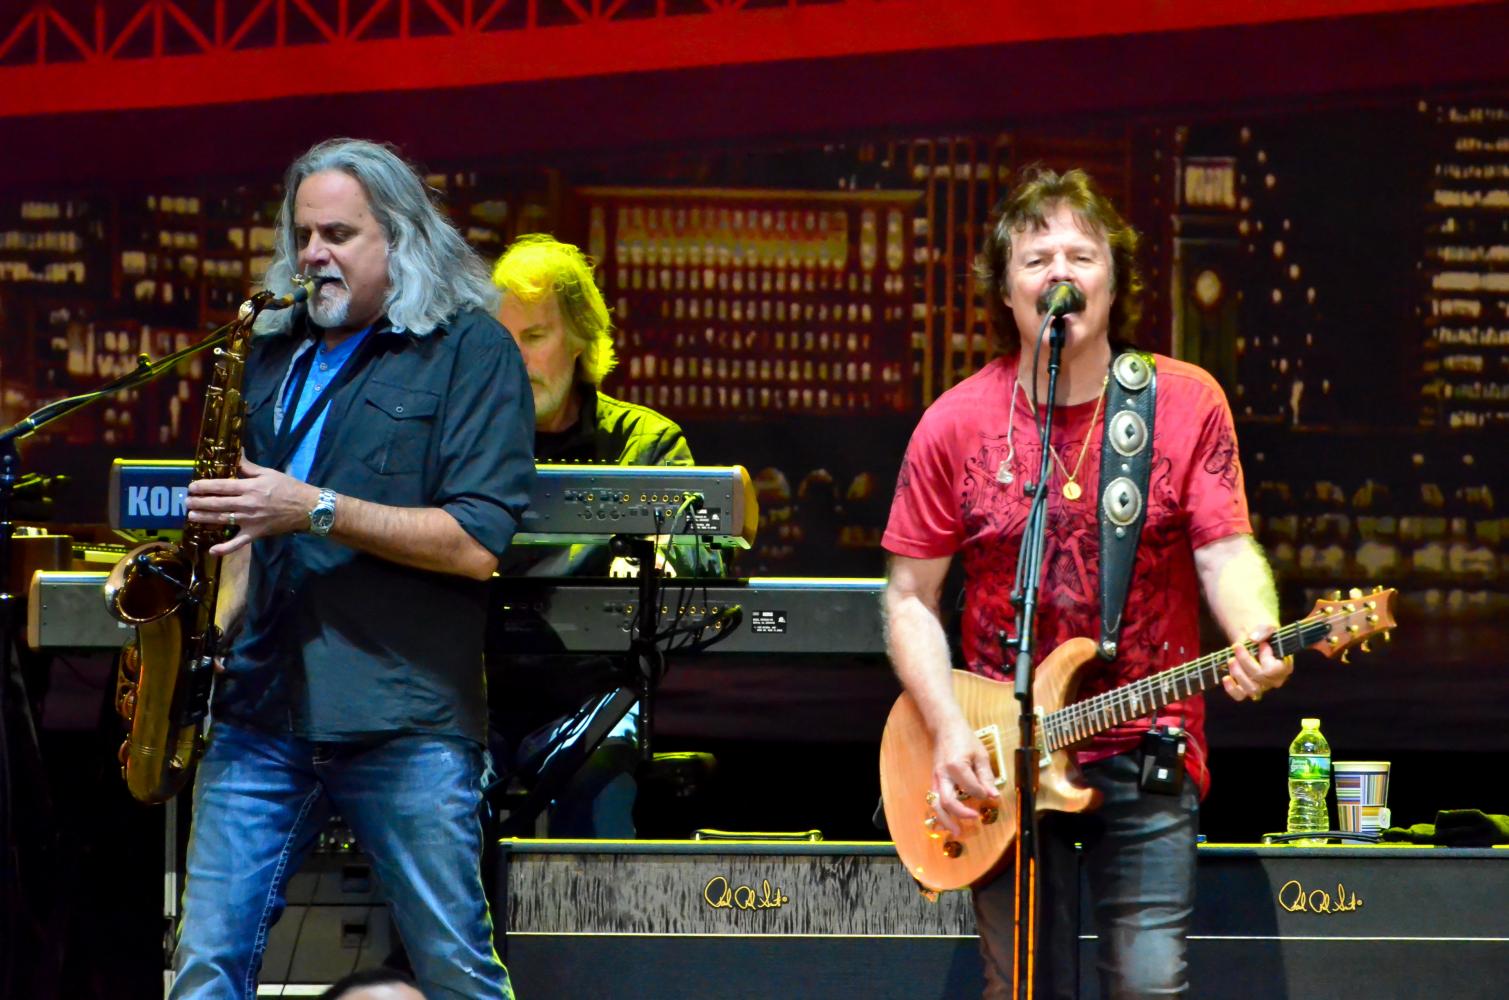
(1309, 780)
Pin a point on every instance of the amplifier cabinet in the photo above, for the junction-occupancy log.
(685, 919)
(674, 920)
(1323, 922)
(336, 922)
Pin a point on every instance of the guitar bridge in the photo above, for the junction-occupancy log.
(991, 737)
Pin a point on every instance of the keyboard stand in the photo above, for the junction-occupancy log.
(641, 668)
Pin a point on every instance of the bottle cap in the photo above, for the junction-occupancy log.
(1309, 723)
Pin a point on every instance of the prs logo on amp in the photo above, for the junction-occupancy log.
(1294, 898)
(721, 894)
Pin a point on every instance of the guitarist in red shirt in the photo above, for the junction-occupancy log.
(963, 490)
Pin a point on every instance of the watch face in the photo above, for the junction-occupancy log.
(321, 519)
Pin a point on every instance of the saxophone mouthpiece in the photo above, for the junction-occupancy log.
(303, 287)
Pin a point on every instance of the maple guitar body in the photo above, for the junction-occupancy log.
(941, 861)
(991, 709)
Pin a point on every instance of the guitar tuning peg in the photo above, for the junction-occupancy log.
(1346, 656)
(1365, 647)
(1335, 595)
(1388, 636)
(1354, 593)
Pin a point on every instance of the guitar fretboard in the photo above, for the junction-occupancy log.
(1083, 719)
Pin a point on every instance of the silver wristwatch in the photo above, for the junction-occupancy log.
(322, 516)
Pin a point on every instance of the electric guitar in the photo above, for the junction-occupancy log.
(941, 861)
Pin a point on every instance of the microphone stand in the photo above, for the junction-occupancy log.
(1029, 572)
(10, 678)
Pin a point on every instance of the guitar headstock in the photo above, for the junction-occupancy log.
(1352, 620)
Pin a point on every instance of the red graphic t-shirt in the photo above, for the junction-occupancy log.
(951, 498)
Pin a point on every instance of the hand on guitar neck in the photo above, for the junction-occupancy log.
(1250, 673)
(1238, 587)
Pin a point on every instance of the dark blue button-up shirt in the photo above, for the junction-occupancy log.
(338, 645)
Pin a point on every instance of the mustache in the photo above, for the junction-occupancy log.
(328, 277)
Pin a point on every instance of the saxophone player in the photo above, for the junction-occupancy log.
(387, 464)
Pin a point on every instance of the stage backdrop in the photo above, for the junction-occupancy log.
(1344, 272)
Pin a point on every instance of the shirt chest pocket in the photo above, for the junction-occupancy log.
(397, 426)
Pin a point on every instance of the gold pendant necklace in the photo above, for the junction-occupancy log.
(1071, 488)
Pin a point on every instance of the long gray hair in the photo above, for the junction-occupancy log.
(432, 272)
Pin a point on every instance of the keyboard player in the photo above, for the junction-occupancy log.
(554, 310)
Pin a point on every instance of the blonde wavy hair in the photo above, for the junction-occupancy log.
(536, 265)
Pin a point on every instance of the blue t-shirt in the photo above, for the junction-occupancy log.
(325, 365)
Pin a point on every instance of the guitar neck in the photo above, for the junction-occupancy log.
(1084, 719)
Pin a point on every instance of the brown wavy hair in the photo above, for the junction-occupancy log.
(1027, 206)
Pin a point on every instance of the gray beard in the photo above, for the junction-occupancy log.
(550, 401)
(332, 314)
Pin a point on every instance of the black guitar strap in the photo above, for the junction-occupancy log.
(1126, 465)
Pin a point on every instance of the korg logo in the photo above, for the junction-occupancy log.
(156, 501)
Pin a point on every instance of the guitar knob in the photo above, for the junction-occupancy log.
(952, 848)
(989, 814)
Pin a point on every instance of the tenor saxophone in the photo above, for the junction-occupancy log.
(168, 591)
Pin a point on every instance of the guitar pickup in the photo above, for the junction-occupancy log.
(991, 737)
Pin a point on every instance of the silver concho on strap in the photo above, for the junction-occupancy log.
(1128, 433)
(1131, 371)
(1123, 502)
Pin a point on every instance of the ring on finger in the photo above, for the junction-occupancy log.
(230, 519)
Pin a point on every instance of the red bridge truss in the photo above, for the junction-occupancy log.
(100, 55)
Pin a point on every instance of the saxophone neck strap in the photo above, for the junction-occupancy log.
(292, 432)
(1126, 463)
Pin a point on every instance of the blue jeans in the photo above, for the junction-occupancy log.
(1139, 855)
(412, 802)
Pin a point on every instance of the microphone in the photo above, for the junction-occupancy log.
(1061, 298)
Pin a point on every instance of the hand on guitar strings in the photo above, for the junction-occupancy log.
(961, 770)
(1249, 676)
(261, 502)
